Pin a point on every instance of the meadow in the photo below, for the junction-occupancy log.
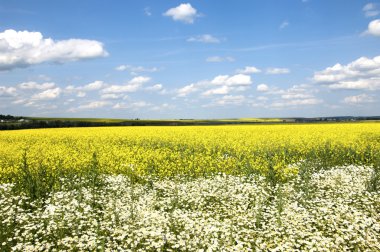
(282, 187)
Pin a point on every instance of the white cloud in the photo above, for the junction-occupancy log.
(94, 105)
(363, 73)
(121, 68)
(298, 92)
(121, 88)
(70, 88)
(156, 87)
(35, 85)
(274, 70)
(291, 96)
(234, 80)
(81, 90)
(220, 59)
(217, 91)
(43, 77)
(48, 94)
(358, 99)
(24, 48)
(81, 94)
(186, 90)
(7, 91)
(249, 70)
(369, 84)
(205, 38)
(284, 24)
(110, 96)
(295, 96)
(132, 105)
(132, 86)
(262, 98)
(231, 100)
(139, 80)
(162, 107)
(136, 69)
(226, 83)
(18, 101)
(262, 88)
(227, 100)
(183, 12)
(374, 28)
(296, 102)
(371, 10)
(96, 85)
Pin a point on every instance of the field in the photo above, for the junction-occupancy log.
(282, 187)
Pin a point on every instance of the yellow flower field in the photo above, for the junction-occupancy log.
(189, 150)
(283, 187)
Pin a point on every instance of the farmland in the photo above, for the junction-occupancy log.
(228, 187)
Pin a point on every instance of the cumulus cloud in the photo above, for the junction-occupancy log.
(132, 86)
(156, 87)
(217, 59)
(205, 38)
(80, 91)
(225, 84)
(111, 96)
(363, 73)
(132, 105)
(24, 48)
(35, 85)
(217, 91)
(231, 99)
(48, 94)
(249, 70)
(81, 94)
(135, 69)
(291, 96)
(227, 100)
(358, 99)
(262, 88)
(186, 90)
(304, 91)
(274, 70)
(94, 105)
(371, 10)
(7, 91)
(295, 96)
(296, 102)
(162, 107)
(96, 85)
(183, 12)
(374, 28)
(234, 80)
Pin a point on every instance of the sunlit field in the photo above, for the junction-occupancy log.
(285, 187)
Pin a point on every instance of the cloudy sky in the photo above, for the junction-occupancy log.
(189, 59)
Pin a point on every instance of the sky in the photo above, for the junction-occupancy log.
(189, 59)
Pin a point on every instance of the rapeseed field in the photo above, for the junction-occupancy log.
(283, 187)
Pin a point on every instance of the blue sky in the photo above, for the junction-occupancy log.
(190, 59)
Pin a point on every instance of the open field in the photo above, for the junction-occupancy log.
(56, 122)
(152, 120)
(234, 188)
(8, 122)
